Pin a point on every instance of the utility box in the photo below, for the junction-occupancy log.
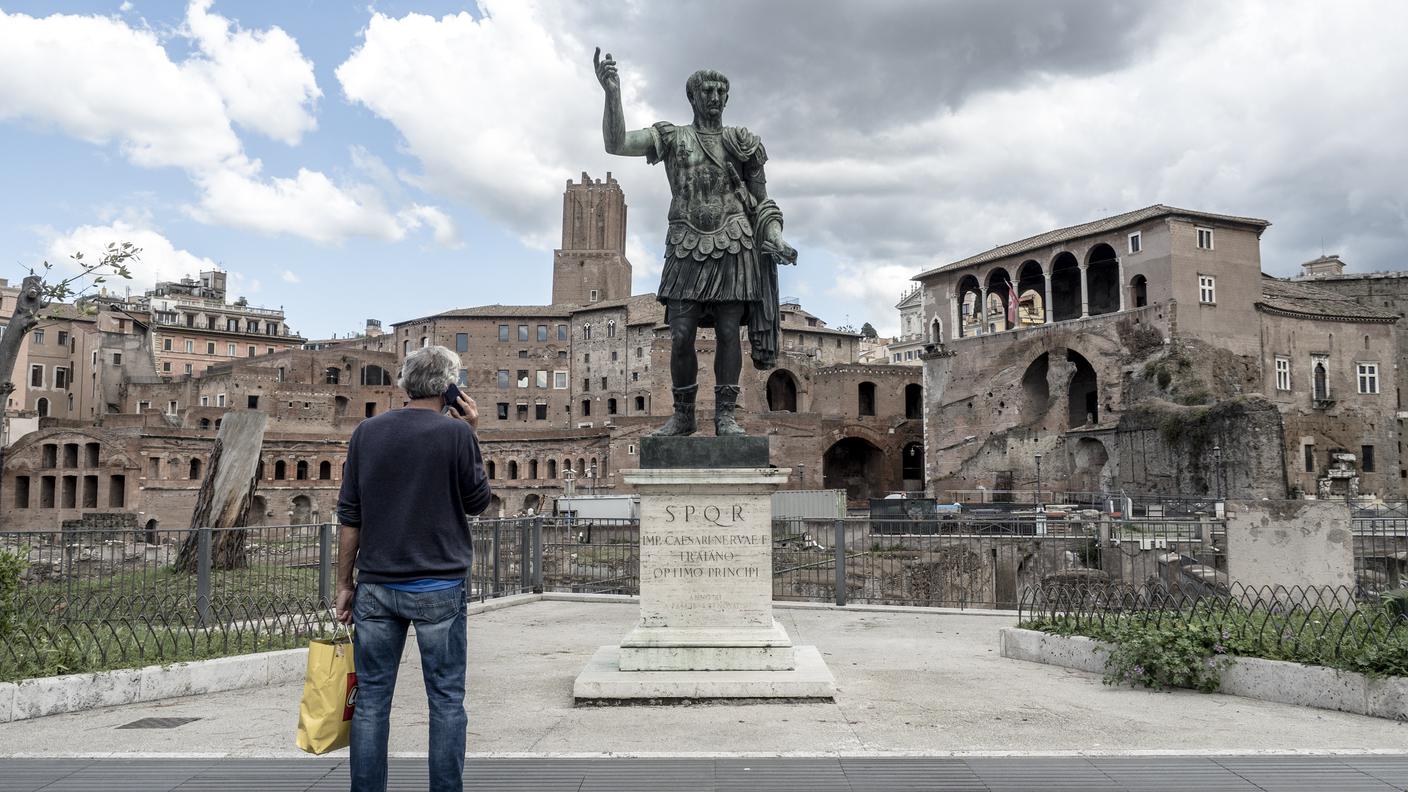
(599, 507)
(808, 504)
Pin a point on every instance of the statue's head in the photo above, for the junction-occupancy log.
(708, 93)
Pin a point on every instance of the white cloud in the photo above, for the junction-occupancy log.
(159, 260)
(288, 276)
(499, 110)
(103, 81)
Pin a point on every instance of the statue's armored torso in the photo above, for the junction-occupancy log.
(706, 172)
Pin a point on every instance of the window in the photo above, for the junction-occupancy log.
(542, 332)
(587, 332)
(279, 374)
(521, 411)
(1320, 378)
(424, 342)
(60, 378)
(562, 332)
(190, 345)
(1205, 238)
(1368, 377)
(523, 332)
(610, 406)
(36, 376)
(503, 332)
(251, 351)
(117, 492)
(1207, 289)
(63, 338)
(586, 408)
(611, 329)
(595, 295)
(1366, 457)
(188, 369)
(603, 383)
(166, 366)
(503, 379)
(586, 383)
(523, 354)
(635, 376)
(117, 358)
(324, 471)
(540, 410)
(523, 378)
(220, 400)
(171, 408)
(640, 404)
(503, 411)
(542, 379)
(230, 350)
(559, 380)
(1309, 451)
(143, 406)
(1283, 374)
(21, 492)
(252, 402)
(561, 353)
(464, 378)
(613, 356)
(205, 401)
(38, 336)
(866, 398)
(209, 347)
(586, 357)
(461, 342)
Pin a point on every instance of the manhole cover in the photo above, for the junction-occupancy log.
(157, 723)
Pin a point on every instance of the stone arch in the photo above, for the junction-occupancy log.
(1065, 287)
(375, 375)
(489, 469)
(150, 528)
(996, 315)
(513, 469)
(339, 406)
(913, 401)
(533, 469)
(1036, 391)
(204, 423)
(552, 468)
(1089, 460)
(194, 469)
(332, 375)
(532, 502)
(302, 507)
(42, 407)
(280, 470)
(1031, 293)
(300, 470)
(1139, 291)
(258, 511)
(969, 295)
(1102, 280)
(1083, 394)
(782, 391)
(855, 465)
(324, 470)
(936, 331)
(496, 507)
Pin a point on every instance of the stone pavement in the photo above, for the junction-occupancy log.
(910, 683)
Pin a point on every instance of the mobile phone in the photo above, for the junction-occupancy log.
(452, 399)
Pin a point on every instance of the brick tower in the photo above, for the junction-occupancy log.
(591, 265)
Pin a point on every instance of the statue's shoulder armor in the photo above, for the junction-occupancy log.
(744, 145)
(662, 133)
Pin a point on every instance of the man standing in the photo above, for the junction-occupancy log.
(715, 275)
(411, 477)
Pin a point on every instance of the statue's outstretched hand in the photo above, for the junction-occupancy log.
(775, 244)
(606, 71)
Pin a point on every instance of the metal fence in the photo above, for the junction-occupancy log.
(1334, 626)
(93, 598)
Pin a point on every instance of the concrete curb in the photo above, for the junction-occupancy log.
(1248, 677)
(35, 698)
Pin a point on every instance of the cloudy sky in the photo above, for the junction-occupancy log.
(347, 161)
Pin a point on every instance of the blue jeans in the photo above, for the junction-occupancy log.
(381, 616)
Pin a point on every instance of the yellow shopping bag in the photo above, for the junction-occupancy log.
(329, 696)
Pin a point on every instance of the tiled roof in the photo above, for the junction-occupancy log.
(1092, 228)
(496, 310)
(1299, 298)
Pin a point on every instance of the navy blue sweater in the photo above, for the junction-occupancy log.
(411, 477)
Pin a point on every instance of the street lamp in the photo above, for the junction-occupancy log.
(1038, 481)
(1217, 456)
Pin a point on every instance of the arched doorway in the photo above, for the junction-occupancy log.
(42, 407)
(496, 507)
(340, 405)
(1036, 390)
(258, 510)
(1139, 290)
(1031, 294)
(998, 318)
(195, 469)
(782, 391)
(151, 531)
(855, 465)
(1065, 288)
(302, 510)
(969, 295)
(913, 401)
(1089, 459)
(912, 466)
(1083, 401)
(531, 503)
(1102, 280)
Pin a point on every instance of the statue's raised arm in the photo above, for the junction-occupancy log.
(637, 143)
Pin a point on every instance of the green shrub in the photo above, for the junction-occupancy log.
(11, 566)
(1186, 656)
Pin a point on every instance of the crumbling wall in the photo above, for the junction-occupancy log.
(1170, 448)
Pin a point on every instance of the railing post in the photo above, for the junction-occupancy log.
(525, 561)
(537, 555)
(325, 540)
(840, 563)
(203, 576)
(494, 553)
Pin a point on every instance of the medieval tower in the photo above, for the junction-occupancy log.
(591, 266)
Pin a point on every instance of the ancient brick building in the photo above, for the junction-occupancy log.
(1146, 352)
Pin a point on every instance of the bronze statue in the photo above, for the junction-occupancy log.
(723, 245)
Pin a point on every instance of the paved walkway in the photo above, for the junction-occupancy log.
(878, 774)
(920, 696)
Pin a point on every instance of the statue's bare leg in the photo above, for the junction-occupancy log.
(684, 367)
(728, 364)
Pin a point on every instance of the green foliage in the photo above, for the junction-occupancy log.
(1191, 647)
(11, 566)
(113, 263)
(1397, 601)
(868, 330)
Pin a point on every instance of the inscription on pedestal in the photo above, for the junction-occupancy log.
(706, 561)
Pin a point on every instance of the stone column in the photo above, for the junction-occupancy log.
(1084, 294)
(983, 310)
(1046, 306)
(954, 307)
(1119, 265)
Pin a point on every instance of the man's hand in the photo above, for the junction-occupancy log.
(469, 410)
(606, 72)
(344, 605)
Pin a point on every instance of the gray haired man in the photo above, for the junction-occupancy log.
(411, 477)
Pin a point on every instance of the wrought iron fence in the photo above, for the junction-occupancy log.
(1333, 626)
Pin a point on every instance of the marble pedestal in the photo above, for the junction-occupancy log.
(706, 625)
